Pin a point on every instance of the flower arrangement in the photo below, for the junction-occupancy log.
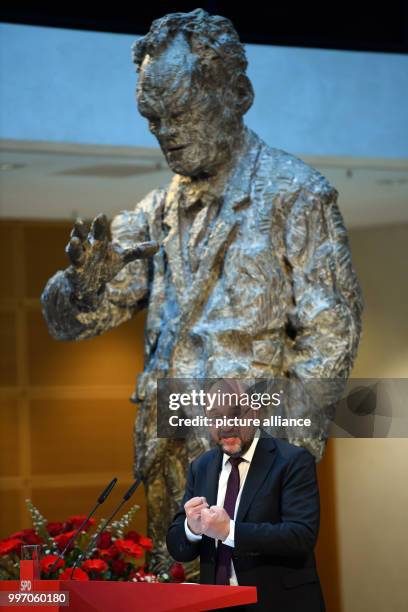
(118, 554)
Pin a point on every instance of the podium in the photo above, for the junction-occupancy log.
(105, 596)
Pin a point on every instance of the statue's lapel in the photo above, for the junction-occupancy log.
(172, 242)
(192, 288)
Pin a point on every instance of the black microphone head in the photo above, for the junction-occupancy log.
(106, 492)
(132, 489)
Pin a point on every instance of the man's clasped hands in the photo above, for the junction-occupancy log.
(213, 521)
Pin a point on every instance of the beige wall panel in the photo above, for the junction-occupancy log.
(8, 350)
(113, 358)
(7, 276)
(371, 475)
(57, 504)
(9, 438)
(71, 436)
(380, 256)
(10, 503)
(328, 544)
(44, 254)
(372, 503)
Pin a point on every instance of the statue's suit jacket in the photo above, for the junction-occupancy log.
(276, 526)
(275, 294)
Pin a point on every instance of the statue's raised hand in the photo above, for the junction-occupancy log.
(95, 260)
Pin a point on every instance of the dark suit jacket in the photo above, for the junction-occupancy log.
(275, 531)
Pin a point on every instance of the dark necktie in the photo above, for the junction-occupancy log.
(224, 552)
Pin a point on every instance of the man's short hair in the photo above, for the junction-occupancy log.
(212, 38)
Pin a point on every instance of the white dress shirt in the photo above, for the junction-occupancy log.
(222, 489)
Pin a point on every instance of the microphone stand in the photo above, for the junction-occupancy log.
(100, 501)
(125, 498)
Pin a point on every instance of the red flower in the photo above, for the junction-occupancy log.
(28, 536)
(113, 551)
(48, 561)
(118, 566)
(95, 565)
(55, 528)
(117, 546)
(146, 543)
(128, 547)
(11, 545)
(104, 553)
(78, 574)
(63, 539)
(76, 521)
(133, 535)
(177, 572)
(104, 540)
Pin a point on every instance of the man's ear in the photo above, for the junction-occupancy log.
(245, 93)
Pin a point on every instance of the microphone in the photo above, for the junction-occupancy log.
(99, 501)
(124, 499)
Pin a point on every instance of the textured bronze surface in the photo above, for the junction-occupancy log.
(246, 272)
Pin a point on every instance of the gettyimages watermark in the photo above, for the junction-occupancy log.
(356, 408)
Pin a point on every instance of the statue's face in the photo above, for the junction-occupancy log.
(188, 119)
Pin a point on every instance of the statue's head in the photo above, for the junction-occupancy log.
(193, 89)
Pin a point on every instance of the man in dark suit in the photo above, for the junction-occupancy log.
(251, 513)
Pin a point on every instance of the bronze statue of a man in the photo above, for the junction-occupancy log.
(242, 260)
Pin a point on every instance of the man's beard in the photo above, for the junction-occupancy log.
(236, 453)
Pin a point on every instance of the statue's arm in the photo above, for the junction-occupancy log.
(326, 309)
(72, 314)
(324, 314)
